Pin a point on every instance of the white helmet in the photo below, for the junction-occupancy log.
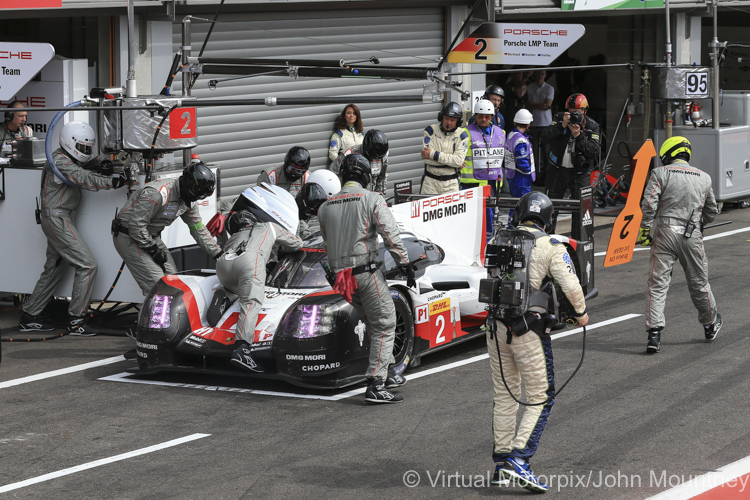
(327, 180)
(77, 139)
(484, 107)
(523, 117)
(270, 203)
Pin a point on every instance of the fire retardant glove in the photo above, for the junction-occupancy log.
(121, 179)
(106, 167)
(409, 272)
(216, 225)
(644, 237)
(157, 253)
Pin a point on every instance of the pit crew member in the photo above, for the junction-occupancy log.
(374, 148)
(519, 156)
(350, 223)
(330, 184)
(527, 358)
(13, 127)
(677, 201)
(290, 175)
(444, 151)
(59, 204)
(573, 145)
(495, 94)
(242, 271)
(155, 206)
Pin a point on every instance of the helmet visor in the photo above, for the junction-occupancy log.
(84, 148)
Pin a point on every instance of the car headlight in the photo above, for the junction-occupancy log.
(306, 321)
(159, 312)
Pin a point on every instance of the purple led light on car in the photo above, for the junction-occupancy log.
(313, 323)
(161, 307)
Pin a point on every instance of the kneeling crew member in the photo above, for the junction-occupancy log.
(677, 201)
(444, 151)
(155, 206)
(242, 271)
(527, 359)
(290, 175)
(350, 223)
(64, 243)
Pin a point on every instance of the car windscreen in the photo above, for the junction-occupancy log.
(300, 270)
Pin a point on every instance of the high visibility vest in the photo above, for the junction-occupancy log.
(485, 157)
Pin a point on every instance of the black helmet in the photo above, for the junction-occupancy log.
(494, 89)
(536, 207)
(454, 110)
(356, 168)
(238, 221)
(309, 199)
(296, 162)
(374, 145)
(196, 182)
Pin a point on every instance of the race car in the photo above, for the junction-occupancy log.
(307, 334)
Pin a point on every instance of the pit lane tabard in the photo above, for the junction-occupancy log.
(531, 44)
(625, 231)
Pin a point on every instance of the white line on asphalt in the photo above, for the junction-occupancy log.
(705, 238)
(725, 477)
(97, 463)
(125, 377)
(63, 371)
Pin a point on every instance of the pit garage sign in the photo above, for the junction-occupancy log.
(19, 63)
(529, 44)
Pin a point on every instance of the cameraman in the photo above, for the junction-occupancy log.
(572, 140)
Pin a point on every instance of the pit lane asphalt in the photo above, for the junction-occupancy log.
(628, 420)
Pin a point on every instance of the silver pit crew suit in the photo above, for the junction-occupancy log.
(374, 148)
(448, 152)
(677, 195)
(350, 223)
(59, 205)
(155, 206)
(242, 271)
(290, 175)
(527, 359)
(322, 185)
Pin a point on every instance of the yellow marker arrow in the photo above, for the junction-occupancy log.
(625, 230)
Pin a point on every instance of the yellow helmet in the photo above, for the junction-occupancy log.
(672, 147)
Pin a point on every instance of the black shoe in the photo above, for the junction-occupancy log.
(713, 329)
(29, 323)
(394, 379)
(654, 338)
(377, 393)
(241, 357)
(77, 327)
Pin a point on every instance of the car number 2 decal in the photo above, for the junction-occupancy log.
(440, 323)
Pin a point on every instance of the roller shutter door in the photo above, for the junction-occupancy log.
(246, 140)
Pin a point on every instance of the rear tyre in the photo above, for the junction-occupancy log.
(403, 343)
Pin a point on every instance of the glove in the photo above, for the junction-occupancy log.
(157, 253)
(106, 167)
(644, 237)
(216, 225)
(345, 284)
(411, 282)
(121, 179)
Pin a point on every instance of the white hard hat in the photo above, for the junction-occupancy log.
(327, 180)
(77, 139)
(270, 204)
(484, 107)
(523, 117)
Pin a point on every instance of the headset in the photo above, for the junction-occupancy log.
(9, 114)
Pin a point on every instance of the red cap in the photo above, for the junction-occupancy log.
(195, 157)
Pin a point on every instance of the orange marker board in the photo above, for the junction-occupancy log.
(625, 231)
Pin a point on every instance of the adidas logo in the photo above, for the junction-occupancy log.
(587, 220)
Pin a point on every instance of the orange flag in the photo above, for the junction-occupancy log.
(625, 230)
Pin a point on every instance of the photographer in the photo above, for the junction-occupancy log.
(574, 148)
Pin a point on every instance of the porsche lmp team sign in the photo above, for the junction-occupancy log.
(528, 44)
(19, 63)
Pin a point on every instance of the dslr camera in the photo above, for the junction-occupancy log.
(576, 117)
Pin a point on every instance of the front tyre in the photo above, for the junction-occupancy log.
(403, 342)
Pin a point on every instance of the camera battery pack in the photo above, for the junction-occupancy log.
(489, 290)
(511, 293)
